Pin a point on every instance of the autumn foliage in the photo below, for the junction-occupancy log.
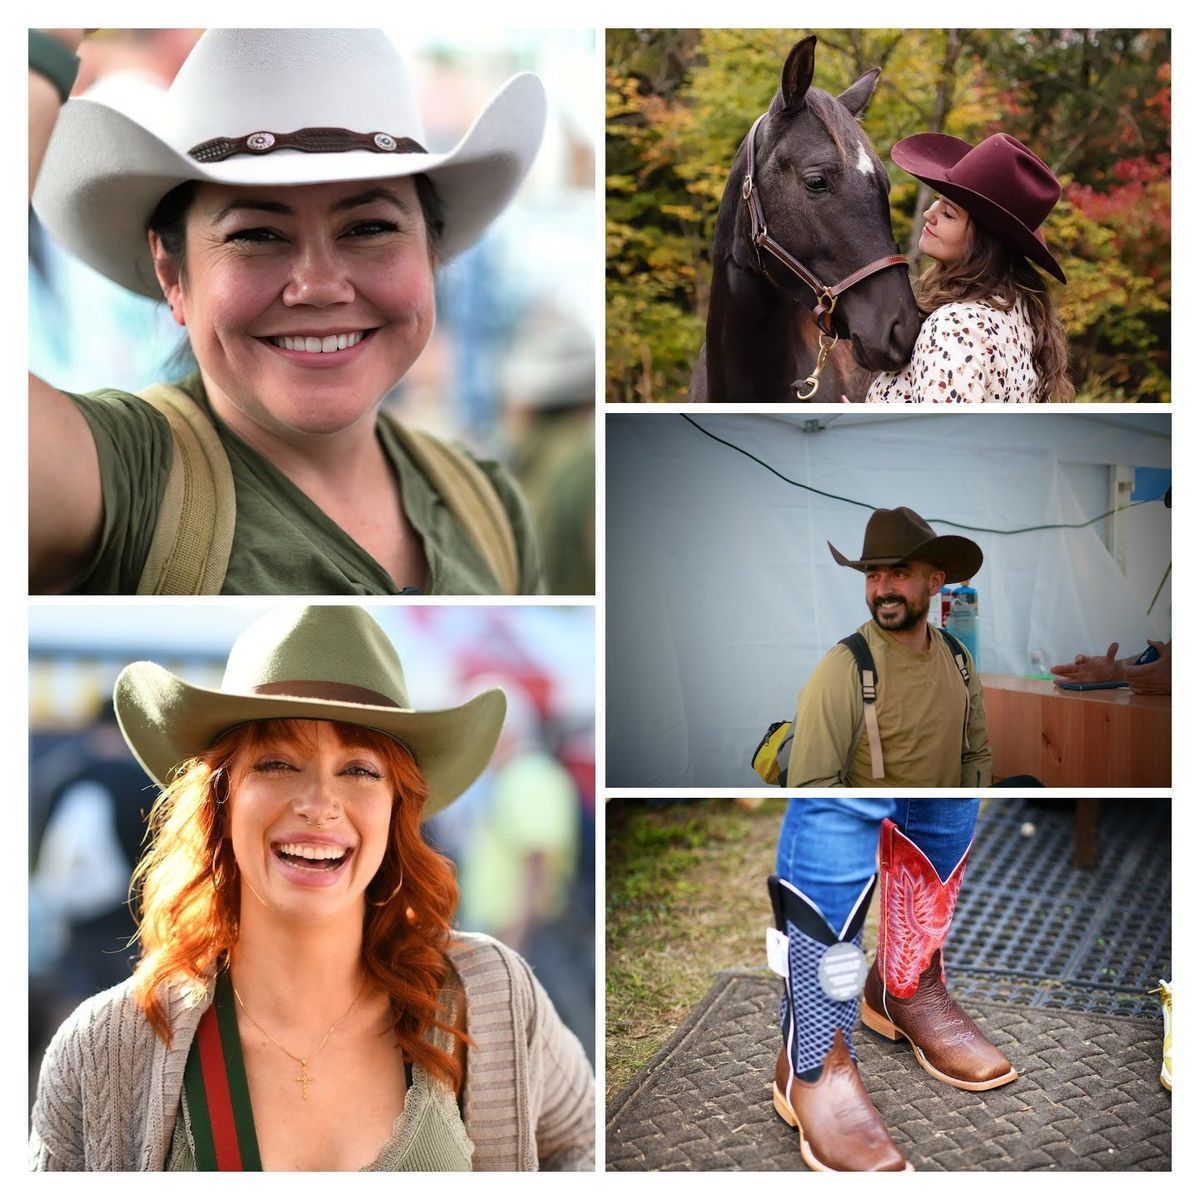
(1095, 104)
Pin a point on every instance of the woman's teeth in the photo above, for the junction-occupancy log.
(320, 345)
(314, 853)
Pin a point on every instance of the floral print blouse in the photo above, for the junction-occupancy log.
(966, 353)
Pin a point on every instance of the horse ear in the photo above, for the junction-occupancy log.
(798, 74)
(855, 97)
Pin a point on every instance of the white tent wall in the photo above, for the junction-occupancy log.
(1146, 567)
(722, 595)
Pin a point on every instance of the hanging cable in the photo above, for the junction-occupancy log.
(1157, 590)
(932, 520)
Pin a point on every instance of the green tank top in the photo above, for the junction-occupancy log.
(429, 1135)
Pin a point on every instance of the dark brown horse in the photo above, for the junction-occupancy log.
(822, 198)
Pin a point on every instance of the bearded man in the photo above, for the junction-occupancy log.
(921, 723)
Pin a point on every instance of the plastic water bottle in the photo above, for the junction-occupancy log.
(963, 622)
(944, 597)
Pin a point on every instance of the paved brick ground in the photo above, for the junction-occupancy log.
(1054, 962)
(1088, 1098)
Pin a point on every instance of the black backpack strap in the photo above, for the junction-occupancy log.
(960, 661)
(868, 679)
(958, 654)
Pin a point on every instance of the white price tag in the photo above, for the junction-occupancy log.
(777, 952)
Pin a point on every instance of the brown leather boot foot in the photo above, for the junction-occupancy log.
(839, 1127)
(947, 1043)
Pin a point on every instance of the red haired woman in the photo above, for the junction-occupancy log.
(301, 1002)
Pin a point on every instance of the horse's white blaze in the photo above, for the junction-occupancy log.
(865, 165)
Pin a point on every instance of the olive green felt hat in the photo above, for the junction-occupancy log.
(325, 662)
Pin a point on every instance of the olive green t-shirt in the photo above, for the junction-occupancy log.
(931, 726)
(283, 544)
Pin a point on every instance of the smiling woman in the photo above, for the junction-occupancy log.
(301, 1001)
(280, 198)
(991, 333)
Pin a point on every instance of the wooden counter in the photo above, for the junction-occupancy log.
(1109, 738)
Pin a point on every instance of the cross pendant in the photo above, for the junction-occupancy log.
(304, 1078)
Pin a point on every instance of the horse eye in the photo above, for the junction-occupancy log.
(816, 183)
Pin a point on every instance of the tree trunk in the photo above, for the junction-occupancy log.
(942, 101)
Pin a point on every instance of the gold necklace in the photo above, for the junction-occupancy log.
(304, 1078)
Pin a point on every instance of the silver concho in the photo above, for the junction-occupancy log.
(260, 141)
(842, 971)
(385, 141)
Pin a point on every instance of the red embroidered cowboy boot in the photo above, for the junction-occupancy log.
(905, 994)
(817, 1088)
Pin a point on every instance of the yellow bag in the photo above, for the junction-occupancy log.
(770, 759)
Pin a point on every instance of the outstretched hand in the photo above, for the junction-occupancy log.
(1094, 668)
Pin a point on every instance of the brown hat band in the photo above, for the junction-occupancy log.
(320, 689)
(317, 140)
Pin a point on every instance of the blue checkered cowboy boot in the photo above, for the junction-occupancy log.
(817, 1086)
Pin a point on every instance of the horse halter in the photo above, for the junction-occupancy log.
(826, 294)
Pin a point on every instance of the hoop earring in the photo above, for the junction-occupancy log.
(395, 893)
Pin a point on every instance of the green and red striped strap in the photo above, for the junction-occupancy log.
(218, 1096)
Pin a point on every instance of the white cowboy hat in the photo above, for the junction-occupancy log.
(326, 662)
(261, 107)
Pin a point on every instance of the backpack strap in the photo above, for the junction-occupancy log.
(960, 661)
(867, 678)
(470, 496)
(193, 533)
(958, 654)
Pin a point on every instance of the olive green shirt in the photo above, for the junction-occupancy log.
(282, 542)
(931, 725)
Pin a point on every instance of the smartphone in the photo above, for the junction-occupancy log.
(1148, 655)
(1090, 687)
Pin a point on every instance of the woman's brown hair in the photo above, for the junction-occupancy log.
(993, 274)
(188, 890)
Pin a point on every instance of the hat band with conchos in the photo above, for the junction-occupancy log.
(310, 141)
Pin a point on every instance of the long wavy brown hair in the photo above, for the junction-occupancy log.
(188, 891)
(993, 274)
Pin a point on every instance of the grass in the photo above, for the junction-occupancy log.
(686, 898)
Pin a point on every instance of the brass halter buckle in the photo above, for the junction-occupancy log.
(827, 343)
(823, 311)
(826, 303)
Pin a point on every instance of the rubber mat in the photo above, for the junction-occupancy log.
(1088, 1097)
(1032, 929)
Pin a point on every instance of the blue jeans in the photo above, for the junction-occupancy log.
(827, 847)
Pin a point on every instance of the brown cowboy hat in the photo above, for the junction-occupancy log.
(900, 535)
(1000, 182)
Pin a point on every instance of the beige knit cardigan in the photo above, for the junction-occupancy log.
(109, 1088)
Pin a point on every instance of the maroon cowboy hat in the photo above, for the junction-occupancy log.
(1000, 182)
(899, 535)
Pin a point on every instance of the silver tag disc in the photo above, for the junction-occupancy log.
(842, 971)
